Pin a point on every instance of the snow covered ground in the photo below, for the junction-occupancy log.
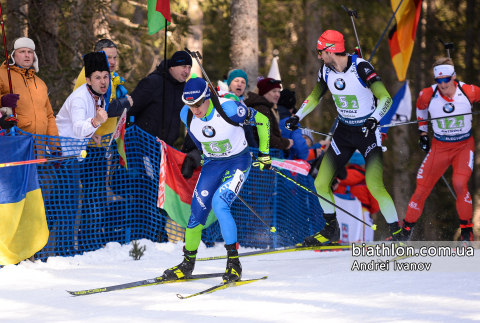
(302, 286)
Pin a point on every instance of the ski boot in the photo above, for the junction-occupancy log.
(466, 228)
(185, 269)
(330, 233)
(400, 233)
(407, 230)
(234, 267)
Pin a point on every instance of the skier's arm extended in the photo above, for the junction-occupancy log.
(263, 132)
(384, 100)
(313, 99)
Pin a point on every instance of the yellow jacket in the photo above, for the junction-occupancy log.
(34, 111)
(109, 125)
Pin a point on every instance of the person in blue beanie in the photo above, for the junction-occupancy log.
(237, 82)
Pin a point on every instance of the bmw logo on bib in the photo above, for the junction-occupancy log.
(208, 131)
(448, 108)
(339, 84)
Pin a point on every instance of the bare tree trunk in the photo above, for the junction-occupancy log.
(476, 133)
(402, 177)
(313, 29)
(16, 21)
(44, 17)
(195, 39)
(76, 29)
(470, 35)
(244, 38)
(100, 22)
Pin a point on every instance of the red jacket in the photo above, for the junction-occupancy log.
(358, 187)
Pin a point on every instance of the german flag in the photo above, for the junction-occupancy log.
(402, 36)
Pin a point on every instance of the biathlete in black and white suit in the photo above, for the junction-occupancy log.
(220, 135)
(361, 100)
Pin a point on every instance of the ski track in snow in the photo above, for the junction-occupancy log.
(302, 286)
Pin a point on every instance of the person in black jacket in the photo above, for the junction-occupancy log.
(148, 98)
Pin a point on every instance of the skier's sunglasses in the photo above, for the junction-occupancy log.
(444, 79)
(319, 51)
(196, 104)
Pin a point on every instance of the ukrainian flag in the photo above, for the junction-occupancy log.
(23, 223)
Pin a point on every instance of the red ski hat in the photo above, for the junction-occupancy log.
(331, 41)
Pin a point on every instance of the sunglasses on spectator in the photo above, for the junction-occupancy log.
(274, 82)
(196, 104)
(444, 79)
(319, 51)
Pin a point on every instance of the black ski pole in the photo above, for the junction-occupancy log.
(257, 163)
(318, 133)
(272, 229)
(353, 13)
(383, 34)
(447, 46)
(424, 120)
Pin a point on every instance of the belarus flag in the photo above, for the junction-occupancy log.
(174, 191)
(158, 11)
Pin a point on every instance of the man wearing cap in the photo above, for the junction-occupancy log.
(117, 90)
(215, 126)
(80, 117)
(452, 143)
(355, 88)
(30, 93)
(148, 98)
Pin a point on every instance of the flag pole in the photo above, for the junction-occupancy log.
(164, 80)
(6, 54)
(383, 34)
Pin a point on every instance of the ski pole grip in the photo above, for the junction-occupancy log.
(189, 52)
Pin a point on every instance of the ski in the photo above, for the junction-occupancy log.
(141, 283)
(222, 286)
(339, 246)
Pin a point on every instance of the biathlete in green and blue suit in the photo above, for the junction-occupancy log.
(217, 130)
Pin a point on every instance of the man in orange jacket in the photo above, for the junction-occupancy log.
(30, 93)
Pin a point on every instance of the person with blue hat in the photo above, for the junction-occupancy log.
(216, 127)
(237, 82)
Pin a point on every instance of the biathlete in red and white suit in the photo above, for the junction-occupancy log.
(452, 143)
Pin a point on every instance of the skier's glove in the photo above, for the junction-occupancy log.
(265, 161)
(7, 122)
(370, 125)
(424, 143)
(191, 162)
(291, 123)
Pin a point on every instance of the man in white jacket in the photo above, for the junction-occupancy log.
(84, 110)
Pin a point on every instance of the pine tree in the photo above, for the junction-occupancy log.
(137, 251)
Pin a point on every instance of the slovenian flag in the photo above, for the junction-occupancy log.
(158, 11)
(402, 36)
(401, 109)
(23, 223)
(175, 193)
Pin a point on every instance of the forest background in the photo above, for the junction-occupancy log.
(64, 30)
